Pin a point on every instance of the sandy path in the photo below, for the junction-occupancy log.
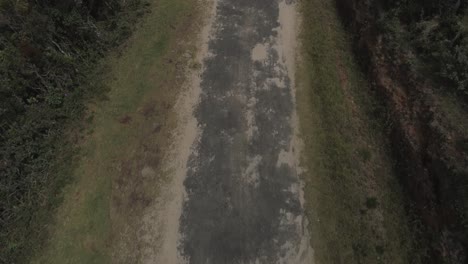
(236, 196)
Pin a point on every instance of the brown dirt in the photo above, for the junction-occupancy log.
(148, 110)
(125, 120)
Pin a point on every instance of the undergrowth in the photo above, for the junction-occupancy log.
(48, 54)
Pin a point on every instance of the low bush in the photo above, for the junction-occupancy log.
(434, 32)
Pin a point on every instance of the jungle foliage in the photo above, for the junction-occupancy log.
(48, 51)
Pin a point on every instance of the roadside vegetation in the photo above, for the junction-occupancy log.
(354, 203)
(409, 116)
(118, 173)
(416, 55)
(51, 69)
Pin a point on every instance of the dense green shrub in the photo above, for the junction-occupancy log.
(48, 48)
(445, 46)
(432, 30)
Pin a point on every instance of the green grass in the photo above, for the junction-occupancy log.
(354, 202)
(84, 230)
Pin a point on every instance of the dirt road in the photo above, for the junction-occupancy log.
(193, 154)
(242, 200)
